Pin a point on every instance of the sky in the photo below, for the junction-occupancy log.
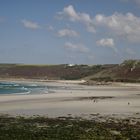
(69, 31)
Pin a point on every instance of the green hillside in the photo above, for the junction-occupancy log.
(128, 71)
(48, 71)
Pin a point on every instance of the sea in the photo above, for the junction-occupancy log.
(22, 88)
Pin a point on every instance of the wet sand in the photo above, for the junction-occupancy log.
(68, 98)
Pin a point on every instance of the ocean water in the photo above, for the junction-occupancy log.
(16, 88)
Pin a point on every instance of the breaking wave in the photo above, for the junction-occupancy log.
(15, 88)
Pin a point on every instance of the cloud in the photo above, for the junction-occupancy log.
(67, 33)
(84, 18)
(70, 12)
(30, 24)
(107, 42)
(76, 47)
(126, 26)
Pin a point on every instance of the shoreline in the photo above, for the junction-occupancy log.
(81, 82)
(70, 97)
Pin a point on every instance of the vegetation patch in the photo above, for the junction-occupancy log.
(41, 128)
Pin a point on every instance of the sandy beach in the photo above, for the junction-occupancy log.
(70, 98)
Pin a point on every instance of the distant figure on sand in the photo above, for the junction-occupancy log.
(95, 100)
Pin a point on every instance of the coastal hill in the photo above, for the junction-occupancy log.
(128, 71)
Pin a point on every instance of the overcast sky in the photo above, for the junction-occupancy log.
(69, 31)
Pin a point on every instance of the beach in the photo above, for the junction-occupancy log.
(71, 98)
